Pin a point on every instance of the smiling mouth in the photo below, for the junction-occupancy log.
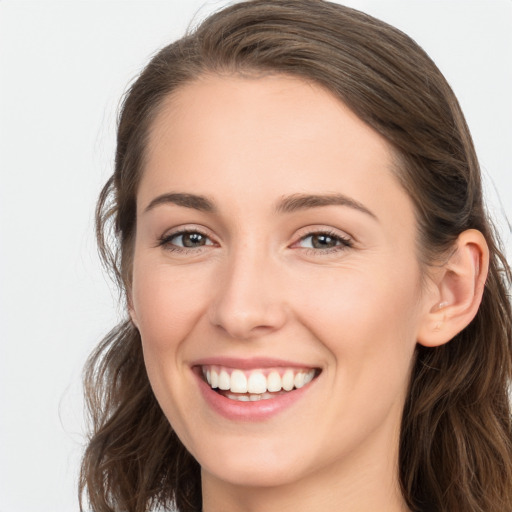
(257, 384)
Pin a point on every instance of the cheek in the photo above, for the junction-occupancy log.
(167, 304)
(366, 318)
(367, 321)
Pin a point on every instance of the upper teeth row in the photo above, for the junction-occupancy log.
(255, 381)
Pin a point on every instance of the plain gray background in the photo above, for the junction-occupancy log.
(63, 68)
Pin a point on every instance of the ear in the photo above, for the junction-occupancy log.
(458, 286)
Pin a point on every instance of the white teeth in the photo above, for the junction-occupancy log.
(224, 380)
(238, 382)
(255, 384)
(298, 381)
(288, 380)
(247, 397)
(274, 382)
(214, 376)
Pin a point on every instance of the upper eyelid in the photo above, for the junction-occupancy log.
(187, 229)
(327, 230)
(326, 233)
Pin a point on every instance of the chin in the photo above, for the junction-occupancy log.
(248, 474)
(258, 467)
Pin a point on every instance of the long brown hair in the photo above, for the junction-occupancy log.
(456, 434)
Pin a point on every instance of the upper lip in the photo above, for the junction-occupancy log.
(250, 363)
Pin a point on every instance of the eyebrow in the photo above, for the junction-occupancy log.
(287, 204)
(187, 200)
(297, 202)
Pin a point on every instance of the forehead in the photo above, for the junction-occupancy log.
(248, 138)
(241, 105)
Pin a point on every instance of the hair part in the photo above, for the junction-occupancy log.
(456, 434)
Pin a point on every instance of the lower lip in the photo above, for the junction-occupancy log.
(259, 410)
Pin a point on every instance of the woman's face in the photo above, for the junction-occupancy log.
(274, 245)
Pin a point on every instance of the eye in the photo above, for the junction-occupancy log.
(324, 241)
(185, 240)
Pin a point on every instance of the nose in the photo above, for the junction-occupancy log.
(249, 301)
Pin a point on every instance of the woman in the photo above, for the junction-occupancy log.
(318, 315)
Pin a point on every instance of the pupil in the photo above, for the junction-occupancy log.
(193, 239)
(323, 241)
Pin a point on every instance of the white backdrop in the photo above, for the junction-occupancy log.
(63, 68)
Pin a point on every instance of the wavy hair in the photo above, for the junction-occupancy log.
(455, 452)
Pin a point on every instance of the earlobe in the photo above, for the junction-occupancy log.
(459, 284)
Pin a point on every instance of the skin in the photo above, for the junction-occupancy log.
(259, 288)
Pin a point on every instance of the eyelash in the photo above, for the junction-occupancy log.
(343, 243)
(166, 241)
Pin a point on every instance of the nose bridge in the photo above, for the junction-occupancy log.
(248, 301)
